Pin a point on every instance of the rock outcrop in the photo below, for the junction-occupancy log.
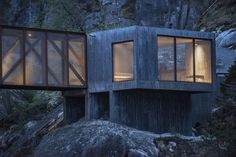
(106, 139)
(18, 142)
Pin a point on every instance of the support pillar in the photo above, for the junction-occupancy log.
(74, 106)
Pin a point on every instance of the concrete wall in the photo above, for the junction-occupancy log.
(144, 103)
(152, 110)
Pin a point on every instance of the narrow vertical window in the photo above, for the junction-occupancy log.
(123, 61)
(34, 58)
(166, 62)
(184, 59)
(12, 63)
(203, 61)
(76, 50)
(56, 53)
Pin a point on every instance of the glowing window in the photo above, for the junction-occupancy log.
(184, 59)
(203, 61)
(123, 61)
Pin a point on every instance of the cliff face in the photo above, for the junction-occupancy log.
(82, 15)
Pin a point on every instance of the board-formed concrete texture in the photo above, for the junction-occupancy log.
(145, 59)
(130, 75)
(144, 102)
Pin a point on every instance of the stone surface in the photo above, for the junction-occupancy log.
(95, 138)
(136, 153)
(227, 39)
(106, 139)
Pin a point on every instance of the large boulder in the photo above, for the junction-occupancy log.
(106, 139)
(96, 139)
(227, 39)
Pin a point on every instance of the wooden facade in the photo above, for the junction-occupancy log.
(42, 59)
(145, 102)
(116, 73)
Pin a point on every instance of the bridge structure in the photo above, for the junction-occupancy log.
(148, 78)
(42, 59)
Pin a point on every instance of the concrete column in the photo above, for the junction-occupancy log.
(74, 106)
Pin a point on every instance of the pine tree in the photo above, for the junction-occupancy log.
(228, 86)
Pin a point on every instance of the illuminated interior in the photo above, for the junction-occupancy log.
(34, 58)
(12, 65)
(123, 61)
(203, 61)
(77, 60)
(55, 59)
(42, 58)
(184, 59)
(180, 67)
(166, 58)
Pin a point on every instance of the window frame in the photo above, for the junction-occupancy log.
(113, 70)
(45, 33)
(175, 57)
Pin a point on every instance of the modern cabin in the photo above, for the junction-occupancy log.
(148, 78)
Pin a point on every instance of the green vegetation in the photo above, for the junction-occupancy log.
(19, 106)
(222, 127)
(228, 87)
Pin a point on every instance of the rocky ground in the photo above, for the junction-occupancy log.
(20, 141)
(106, 139)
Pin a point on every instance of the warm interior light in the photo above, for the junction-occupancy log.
(123, 61)
(123, 76)
(200, 60)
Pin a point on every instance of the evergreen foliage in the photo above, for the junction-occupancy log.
(228, 87)
(222, 127)
(19, 106)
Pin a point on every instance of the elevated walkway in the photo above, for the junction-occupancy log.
(42, 59)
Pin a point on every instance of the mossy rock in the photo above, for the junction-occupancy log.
(128, 9)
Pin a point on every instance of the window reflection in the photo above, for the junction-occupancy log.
(184, 59)
(42, 58)
(166, 58)
(184, 62)
(55, 60)
(123, 61)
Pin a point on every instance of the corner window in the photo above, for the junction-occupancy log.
(184, 59)
(166, 58)
(123, 61)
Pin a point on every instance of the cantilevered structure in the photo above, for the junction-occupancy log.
(149, 78)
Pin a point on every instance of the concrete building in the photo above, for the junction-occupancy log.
(148, 78)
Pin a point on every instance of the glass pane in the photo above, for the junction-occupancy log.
(166, 58)
(12, 71)
(33, 59)
(76, 61)
(184, 59)
(203, 61)
(55, 62)
(123, 61)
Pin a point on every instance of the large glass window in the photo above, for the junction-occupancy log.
(184, 59)
(177, 58)
(123, 61)
(166, 58)
(203, 61)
